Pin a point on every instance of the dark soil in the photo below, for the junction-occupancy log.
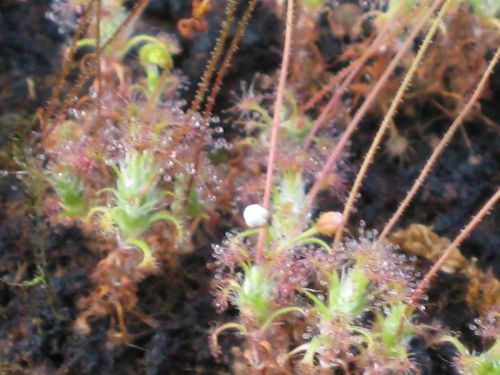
(36, 323)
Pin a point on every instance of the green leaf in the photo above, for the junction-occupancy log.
(69, 189)
(142, 245)
(86, 42)
(255, 291)
(288, 205)
(157, 54)
(348, 295)
(316, 241)
(320, 305)
(139, 39)
(278, 313)
(394, 342)
(167, 216)
(312, 347)
(194, 208)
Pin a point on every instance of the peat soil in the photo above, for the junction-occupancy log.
(36, 323)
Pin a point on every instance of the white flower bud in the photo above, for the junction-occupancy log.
(255, 215)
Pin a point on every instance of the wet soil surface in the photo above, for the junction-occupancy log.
(36, 323)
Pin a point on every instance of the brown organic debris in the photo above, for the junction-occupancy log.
(483, 292)
(420, 240)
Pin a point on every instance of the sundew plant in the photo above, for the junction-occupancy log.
(270, 180)
(120, 160)
(313, 297)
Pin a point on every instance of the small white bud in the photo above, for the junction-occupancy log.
(255, 215)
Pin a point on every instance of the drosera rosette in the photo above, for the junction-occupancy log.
(85, 147)
(254, 113)
(79, 151)
(256, 296)
(236, 254)
(341, 332)
(388, 342)
(370, 289)
(335, 316)
(288, 227)
(136, 202)
(70, 190)
(120, 112)
(361, 284)
(392, 271)
(69, 172)
(119, 148)
(265, 294)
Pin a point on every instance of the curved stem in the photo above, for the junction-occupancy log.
(215, 335)
(276, 314)
(382, 34)
(352, 70)
(260, 255)
(216, 54)
(221, 74)
(155, 95)
(387, 121)
(440, 148)
(226, 62)
(337, 150)
(304, 235)
(205, 80)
